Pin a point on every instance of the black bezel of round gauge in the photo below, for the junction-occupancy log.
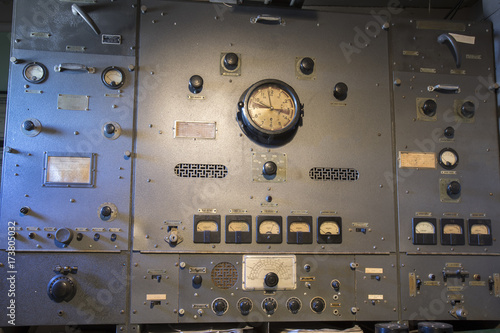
(441, 163)
(112, 68)
(40, 80)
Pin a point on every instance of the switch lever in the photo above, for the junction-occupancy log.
(78, 11)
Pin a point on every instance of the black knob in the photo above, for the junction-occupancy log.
(433, 327)
(453, 188)
(197, 279)
(195, 84)
(429, 108)
(449, 132)
(109, 128)
(340, 91)
(293, 305)
(31, 235)
(61, 288)
(106, 211)
(318, 305)
(24, 210)
(270, 168)
(468, 110)
(220, 306)
(79, 236)
(271, 279)
(270, 305)
(231, 61)
(28, 125)
(307, 66)
(391, 328)
(336, 284)
(245, 305)
(64, 236)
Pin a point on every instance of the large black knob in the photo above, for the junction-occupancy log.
(318, 304)
(197, 279)
(307, 66)
(270, 305)
(109, 128)
(231, 61)
(270, 168)
(340, 91)
(64, 236)
(245, 305)
(293, 305)
(28, 125)
(429, 108)
(391, 328)
(271, 279)
(433, 327)
(220, 306)
(106, 211)
(195, 84)
(61, 288)
(453, 188)
(449, 132)
(468, 110)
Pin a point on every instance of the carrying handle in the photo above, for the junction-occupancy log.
(77, 11)
(453, 46)
(74, 67)
(268, 19)
(444, 88)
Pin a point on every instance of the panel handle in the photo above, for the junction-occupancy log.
(444, 88)
(268, 19)
(73, 67)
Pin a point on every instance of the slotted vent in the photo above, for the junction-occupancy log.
(224, 275)
(189, 170)
(334, 174)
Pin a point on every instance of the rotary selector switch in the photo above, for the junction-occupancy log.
(64, 236)
(269, 168)
(220, 306)
(429, 108)
(269, 305)
(231, 61)
(318, 304)
(294, 305)
(111, 130)
(453, 189)
(61, 288)
(468, 110)
(307, 66)
(245, 305)
(195, 84)
(107, 211)
(31, 127)
(197, 280)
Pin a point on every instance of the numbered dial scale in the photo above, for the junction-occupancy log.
(269, 112)
(113, 77)
(35, 72)
(269, 229)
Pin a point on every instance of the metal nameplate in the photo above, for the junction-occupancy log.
(328, 212)
(453, 264)
(360, 225)
(269, 211)
(156, 297)
(255, 268)
(307, 278)
(455, 288)
(474, 56)
(32, 228)
(268, 204)
(477, 283)
(458, 71)
(335, 305)
(49, 229)
(412, 284)
(115, 230)
(238, 211)
(113, 95)
(195, 129)
(455, 297)
(423, 214)
(193, 97)
(440, 25)
(408, 159)
(79, 1)
(156, 271)
(450, 214)
(72, 48)
(195, 270)
(432, 283)
(376, 297)
(98, 229)
(411, 53)
(111, 39)
(200, 306)
(73, 102)
(299, 212)
(81, 229)
(477, 215)
(448, 172)
(40, 34)
(496, 281)
(207, 210)
(428, 70)
(338, 104)
(374, 271)
(32, 91)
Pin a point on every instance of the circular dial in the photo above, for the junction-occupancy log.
(269, 227)
(479, 229)
(113, 77)
(238, 226)
(448, 158)
(452, 229)
(35, 72)
(329, 228)
(425, 228)
(207, 226)
(299, 227)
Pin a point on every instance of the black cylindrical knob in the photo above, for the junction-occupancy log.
(453, 188)
(449, 132)
(271, 279)
(468, 110)
(197, 279)
(433, 327)
(391, 328)
(31, 235)
(220, 306)
(24, 210)
(28, 125)
(307, 66)
(231, 61)
(270, 168)
(270, 305)
(429, 108)
(318, 305)
(245, 306)
(293, 305)
(336, 284)
(109, 128)
(195, 84)
(61, 288)
(340, 91)
(106, 211)
(64, 236)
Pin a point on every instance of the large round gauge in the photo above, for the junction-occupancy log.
(269, 112)
(448, 158)
(113, 77)
(35, 72)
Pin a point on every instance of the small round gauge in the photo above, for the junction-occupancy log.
(35, 72)
(207, 226)
(425, 227)
(269, 227)
(479, 229)
(300, 227)
(329, 228)
(113, 77)
(452, 229)
(448, 158)
(240, 226)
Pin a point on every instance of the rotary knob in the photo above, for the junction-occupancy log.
(453, 188)
(429, 108)
(271, 280)
(106, 211)
(219, 306)
(269, 305)
(195, 84)
(64, 236)
(270, 168)
(231, 61)
(307, 66)
(449, 132)
(340, 91)
(293, 305)
(318, 304)
(197, 280)
(61, 288)
(109, 128)
(434, 327)
(245, 306)
(28, 125)
(468, 110)
(336, 284)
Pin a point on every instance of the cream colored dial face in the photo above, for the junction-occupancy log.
(270, 107)
(425, 228)
(269, 227)
(479, 229)
(238, 226)
(299, 227)
(207, 226)
(329, 228)
(452, 229)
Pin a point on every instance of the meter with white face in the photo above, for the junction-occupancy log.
(480, 232)
(299, 230)
(329, 230)
(35, 72)
(424, 231)
(113, 77)
(269, 229)
(206, 229)
(448, 158)
(238, 229)
(452, 232)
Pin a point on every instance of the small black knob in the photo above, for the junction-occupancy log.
(293, 305)
(271, 279)
(220, 306)
(340, 91)
(61, 288)
(449, 132)
(270, 305)
(231, 61)
(336, 284)
(468, 110)
(453, 188)
(79, 236)
(109, 128)
(31, 235)
(197, 279)
(429, 108)
(270, 168)
(64, 236)
(318, 305)
(307, 66)
(28, 125)
(106, 211)
(24, 210)
(195, 84)
(245, 306)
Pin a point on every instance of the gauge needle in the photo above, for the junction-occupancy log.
(269, 95)
(287, 112)
(261, 105)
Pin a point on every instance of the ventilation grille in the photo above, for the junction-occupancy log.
(224, 275)
(188, 170)
(333, 174)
